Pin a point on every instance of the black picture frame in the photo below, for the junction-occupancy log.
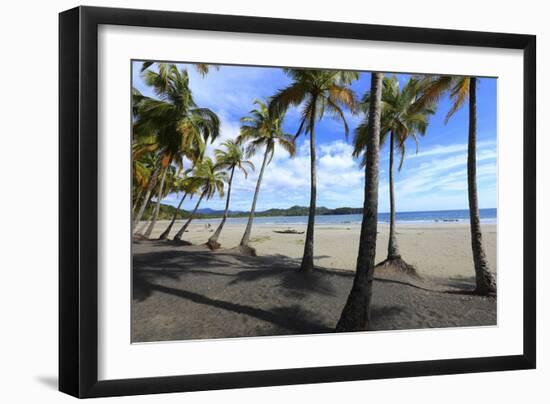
(78, 201)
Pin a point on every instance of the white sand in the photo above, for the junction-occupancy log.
(437, 250)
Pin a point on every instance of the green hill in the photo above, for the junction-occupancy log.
(166, 212)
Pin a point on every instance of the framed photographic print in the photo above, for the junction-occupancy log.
(251, 201)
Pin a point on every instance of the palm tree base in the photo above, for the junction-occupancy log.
(245, 249)
(213, 245)
(178, 237)
(485, 292)
(488, 286)
(306, 267)
(397, 264)
(163, 236)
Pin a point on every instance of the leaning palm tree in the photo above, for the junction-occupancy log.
(185, 186)
(152, 210)
(262, 129)
(209, 180)
(401, 120)
(229, 159)
(316, 91)
(179, 126)
(193, 154)
(462, 89)
(161, 194)
(356, 313)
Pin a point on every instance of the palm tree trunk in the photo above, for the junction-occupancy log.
(157, 205)
(166, 232)
(307, 259)
(213, 241)
(356, 313)
(393, 249)
(485, 281)
(178, 235)
(248, 230)
(150, 186)
(146, 224)
(136, 201)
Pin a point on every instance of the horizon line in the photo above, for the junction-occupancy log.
(341, 207)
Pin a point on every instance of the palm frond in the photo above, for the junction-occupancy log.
(459, 95)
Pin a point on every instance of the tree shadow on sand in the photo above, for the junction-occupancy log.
(212, 279)
(292, 318)
(176, 264)
(270, 289)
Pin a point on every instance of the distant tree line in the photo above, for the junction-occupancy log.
(166, 212)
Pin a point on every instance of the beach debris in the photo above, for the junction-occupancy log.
(288, 231)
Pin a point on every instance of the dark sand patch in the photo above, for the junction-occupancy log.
(189, 292)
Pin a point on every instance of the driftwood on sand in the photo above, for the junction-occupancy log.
(288, 231)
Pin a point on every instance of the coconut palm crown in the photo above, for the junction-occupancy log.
(263, 129)
(232, 156)
(177, 126)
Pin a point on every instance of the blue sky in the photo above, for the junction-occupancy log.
(432, 179)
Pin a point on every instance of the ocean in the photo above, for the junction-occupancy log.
(438, 216)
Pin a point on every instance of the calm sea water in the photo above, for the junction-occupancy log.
(440, 216)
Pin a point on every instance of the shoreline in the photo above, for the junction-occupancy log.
(242, 222)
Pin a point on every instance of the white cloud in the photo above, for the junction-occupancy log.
(433, 181)
(286, 181)
(439, 150)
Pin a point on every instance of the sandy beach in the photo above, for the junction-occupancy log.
(440, 250)
(189, 292)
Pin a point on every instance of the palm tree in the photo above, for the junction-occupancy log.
(179, 126)
(460, 89)
(316, 91)
(208, 179)
(262, 130)
(177, 158)
(181, 185)
(160, 195)
(229, 159)
(151, 160)
(401, 120)
(356, 313)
